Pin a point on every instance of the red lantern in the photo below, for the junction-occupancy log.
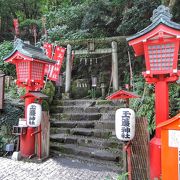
(159, 42)
(30, 63)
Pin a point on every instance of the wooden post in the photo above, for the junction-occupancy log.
(68, 69)
(114, 66)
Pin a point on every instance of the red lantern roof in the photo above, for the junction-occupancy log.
(122, 94)
(30, 63)
(161, 26)
(23, 51)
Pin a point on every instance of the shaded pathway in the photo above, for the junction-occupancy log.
(58, 168)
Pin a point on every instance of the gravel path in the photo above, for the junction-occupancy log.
(56, 168)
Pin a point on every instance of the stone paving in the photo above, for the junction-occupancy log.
(56, 168)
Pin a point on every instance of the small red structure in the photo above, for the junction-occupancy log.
(122, 94)
(170, 151)
(32, 96)
(159, 43)
(30, 64)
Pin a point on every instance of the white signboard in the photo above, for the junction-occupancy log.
(174, 138)
(22, 122)
(125, 124)
(34, 115)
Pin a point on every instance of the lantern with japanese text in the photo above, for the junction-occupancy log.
(125, 124)
(34, 115)
(30, 64)
(159, 43)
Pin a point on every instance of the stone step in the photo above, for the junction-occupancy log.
(108, 116)
(87, 102)
(90, 132)
(73, 124)
(87, 141)
(107, 109)
(107, 124)
(75, 116)
(77, 102)
(106, 165)
(73, 109)
(86, 152)
(54, 130)
(80, 109)
(97, 124)
(99, 133)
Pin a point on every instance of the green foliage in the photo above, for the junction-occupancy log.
(10, 117)
(144, 106)
(174, 93)
(65, 21)
(49, 90)
(122, 176)
(10, 9)
(136, 16)
(79, 92)
(27, 29)
(119, 177)
(45, 105)
(5, 48)
(14, 92)
(176, 12)
(28, 23)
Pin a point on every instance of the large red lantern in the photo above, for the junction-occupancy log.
(30, 64)
(159, 43)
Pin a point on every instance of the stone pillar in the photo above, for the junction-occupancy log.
(115, 66)
(68, 69)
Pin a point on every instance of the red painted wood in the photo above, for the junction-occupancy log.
(161, 68)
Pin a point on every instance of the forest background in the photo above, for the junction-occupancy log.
(84, 19)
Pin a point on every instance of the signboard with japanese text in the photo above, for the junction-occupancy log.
(56, 53)
(34, 115)
(125, 124)
(48, 51)
(59, 57)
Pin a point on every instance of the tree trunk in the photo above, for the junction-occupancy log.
(171, 4)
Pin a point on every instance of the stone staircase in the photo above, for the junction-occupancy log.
(84, 129)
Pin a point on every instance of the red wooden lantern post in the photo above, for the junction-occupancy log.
(30, 65)
(159, 42)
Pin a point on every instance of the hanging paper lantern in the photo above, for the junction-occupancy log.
(125, 124)
(34, 115)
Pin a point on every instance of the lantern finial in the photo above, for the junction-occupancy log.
(17, 42)
(161, 11)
